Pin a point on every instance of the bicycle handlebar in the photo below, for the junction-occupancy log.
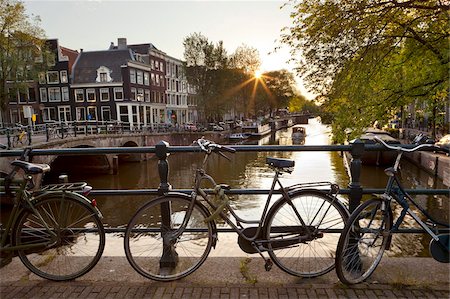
(209, 146)
(409, 150)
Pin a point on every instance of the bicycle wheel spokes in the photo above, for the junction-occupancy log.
(69, 234)
(150, 245)
(362, 243)
(305, 251)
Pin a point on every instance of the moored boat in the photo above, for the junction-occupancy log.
(298, 132)
(238, 136)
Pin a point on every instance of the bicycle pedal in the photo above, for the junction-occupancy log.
(268, 265)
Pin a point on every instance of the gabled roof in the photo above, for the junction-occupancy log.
(85, 68)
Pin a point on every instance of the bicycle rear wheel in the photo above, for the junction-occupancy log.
(324, 216)
(150, 250)
(66, 237)
(363, 241)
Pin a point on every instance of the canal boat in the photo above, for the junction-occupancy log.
(238, 136)
(298, 132)
(378, 158)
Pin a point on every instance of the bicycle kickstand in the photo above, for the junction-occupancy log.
(267, 261)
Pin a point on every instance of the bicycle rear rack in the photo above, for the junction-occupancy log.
(64, 187)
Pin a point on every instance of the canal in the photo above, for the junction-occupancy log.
(248, 170)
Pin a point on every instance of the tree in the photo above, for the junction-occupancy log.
(368, 58)
(245, 58)
(278, 92)
(21, 49)
(205, 64)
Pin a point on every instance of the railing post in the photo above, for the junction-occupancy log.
(355, 172)
(47, 137)
(169, 258)
(161, 150)
(8, 137)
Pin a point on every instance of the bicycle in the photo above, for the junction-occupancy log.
(55, 230)
(171, 236)
(369, 230)
(21, 138)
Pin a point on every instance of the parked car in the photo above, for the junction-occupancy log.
(214, 127)
(444, 142)
(190, 127)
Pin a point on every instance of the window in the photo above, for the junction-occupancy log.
(64, 78)
(31, 95)
(65, 94)
(134, 114)
(152, 62)
(54, 94)
(42, 78)
(147, 95)
(139, 77)
(133, 94)
(81, 113)
(168, 69)
(140, 95)
(23, 96)
(53, 77)
(104, 94)
(64, 113)
(106, 113)
(168, 84)
(91, 113)
(79, 95)
(48, 114)
(161, 67)
(43, 94)
(118, 94)
(157, 64)
(132, 76)
(123, 113)
(146, 78)
(153, 79)
(90, 95)
(157, 80)
(103, 75)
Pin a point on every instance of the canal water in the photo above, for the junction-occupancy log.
(248, 170)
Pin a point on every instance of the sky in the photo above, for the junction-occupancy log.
(93, 25)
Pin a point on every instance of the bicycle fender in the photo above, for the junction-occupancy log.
(73, 195)
(201, 206)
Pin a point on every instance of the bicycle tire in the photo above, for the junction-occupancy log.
(321, 213)
(362, 242)
(76, 246)
(145, 250)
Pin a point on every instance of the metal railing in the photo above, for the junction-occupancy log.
(19, 135)
(354, 189)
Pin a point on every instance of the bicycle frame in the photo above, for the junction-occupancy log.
(394, 190)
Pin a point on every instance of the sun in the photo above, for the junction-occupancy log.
(258, 74)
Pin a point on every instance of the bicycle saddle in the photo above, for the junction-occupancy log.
(31, 168)
(280, 163)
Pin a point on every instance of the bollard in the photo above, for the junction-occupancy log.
(355, 172)
(169, 258)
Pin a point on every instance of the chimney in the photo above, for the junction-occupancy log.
(122, 43)
(111, 46)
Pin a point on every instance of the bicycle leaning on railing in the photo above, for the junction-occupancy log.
(55, 230)
(369, 230)
(171, 236)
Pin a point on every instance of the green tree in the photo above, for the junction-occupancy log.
(368, 58)
(278, 92)
(205, 64)
(21, 49)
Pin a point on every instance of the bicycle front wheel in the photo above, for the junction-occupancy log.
(63, 238)
(153, 247)
(363, 241)
(305, 251)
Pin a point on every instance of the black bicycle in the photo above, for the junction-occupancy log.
(369, 230)
(55, 229)
(171, 236)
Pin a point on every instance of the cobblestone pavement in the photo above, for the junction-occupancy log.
(84, 289)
